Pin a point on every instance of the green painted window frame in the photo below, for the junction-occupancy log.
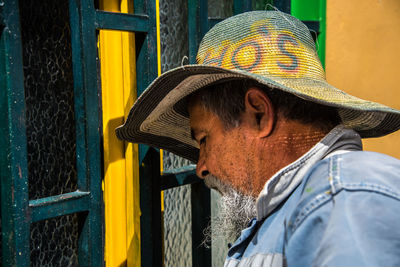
(17, 211)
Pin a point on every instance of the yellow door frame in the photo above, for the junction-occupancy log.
(121, 165)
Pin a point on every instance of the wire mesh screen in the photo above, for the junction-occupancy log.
(47, 60)
(49, 97)
(177, 211)
(54, 242)
(220, 9)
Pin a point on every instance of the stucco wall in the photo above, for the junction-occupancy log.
(363, 56)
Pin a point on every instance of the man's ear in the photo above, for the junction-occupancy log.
(259, 111)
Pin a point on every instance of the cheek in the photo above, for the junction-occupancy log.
(242, 161)
(231, 159)
(218, 158)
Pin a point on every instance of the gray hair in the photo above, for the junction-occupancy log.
(235, 212)
(227, 101)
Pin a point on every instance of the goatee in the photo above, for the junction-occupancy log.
(234, 214)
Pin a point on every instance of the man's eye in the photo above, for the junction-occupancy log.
(202, 140)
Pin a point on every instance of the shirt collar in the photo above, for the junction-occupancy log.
(282, 183)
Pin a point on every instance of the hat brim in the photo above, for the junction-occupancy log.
(159, 118)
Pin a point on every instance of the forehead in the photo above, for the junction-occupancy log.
(201, 119)
(197, 111)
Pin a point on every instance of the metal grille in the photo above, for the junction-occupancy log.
(57, 121)
(174, 33)
(177, 227)
(54, 242)
(220, 9)
(50, 123)
(177, 215)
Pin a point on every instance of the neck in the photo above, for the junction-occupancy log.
(288, 142)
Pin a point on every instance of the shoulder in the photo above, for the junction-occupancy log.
(347, 201)
(368, 168)
(359, 170)
(369, 176)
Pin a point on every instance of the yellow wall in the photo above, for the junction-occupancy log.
(362, 56)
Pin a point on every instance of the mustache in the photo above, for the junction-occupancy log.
(215, 183)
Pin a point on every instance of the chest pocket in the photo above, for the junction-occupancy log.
(257, 260)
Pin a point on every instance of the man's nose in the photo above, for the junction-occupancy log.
(201, 168)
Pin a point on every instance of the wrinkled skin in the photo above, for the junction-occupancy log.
(246, 156)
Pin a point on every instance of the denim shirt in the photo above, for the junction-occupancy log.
(335, 206)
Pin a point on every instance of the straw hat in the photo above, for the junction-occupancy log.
(271, 47)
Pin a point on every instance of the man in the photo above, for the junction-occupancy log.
(280, 144)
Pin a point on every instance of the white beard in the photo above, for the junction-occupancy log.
(236, 211)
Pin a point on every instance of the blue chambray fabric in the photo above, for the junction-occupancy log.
(344, 212)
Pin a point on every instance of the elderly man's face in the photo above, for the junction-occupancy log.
(224, 154)
(223, 164)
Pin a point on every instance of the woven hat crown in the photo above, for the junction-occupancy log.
(270, 47)
(271, 44)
